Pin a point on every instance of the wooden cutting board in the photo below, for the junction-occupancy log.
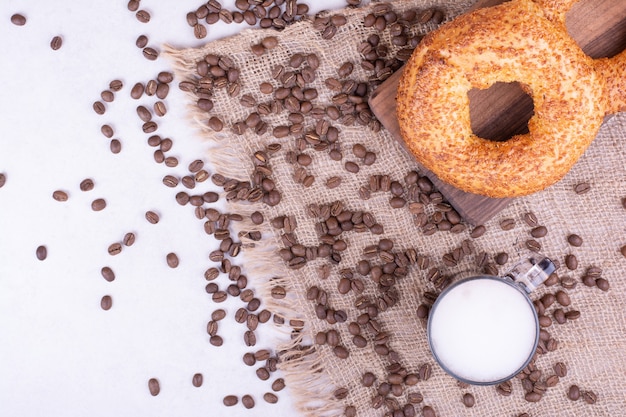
(598, 26)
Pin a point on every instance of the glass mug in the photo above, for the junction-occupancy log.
(483, 330)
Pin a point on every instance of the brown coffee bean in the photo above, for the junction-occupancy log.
(3, 179)
(502, 258)
(334, 182)
(56, 43)
(263, 373)
(86, 184)
(428, 411)
(98, 204)
(563, 298)
(341, 352)
(41, 252)
(59, 195)
(602, 284)
(137, 91)
(582, 188)
(99, 107)
(247, 401)
(197, 380)
(150, 53)
(270, 398)
(115, 146)
(560, 369)
(532, 397)
(216, 340)
(116, 85)
(571, 262)
(115, 249)
(573, 393)
(230, 400)
(133, 5)
(507, 224)
(533, 245)
(141, 41)
(478, 231)
(107, 96)
(278, 384)
(152, 217)
(172, 260)
(129, 239)
(589, 397)
(539, 231)
(18, 19)
(154, 386)
(107, 273)
(143, 16)
(468, 400)
(106, 302)
(575, 240)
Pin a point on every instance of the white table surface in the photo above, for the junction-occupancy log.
(60, 353)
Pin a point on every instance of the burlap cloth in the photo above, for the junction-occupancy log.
(593, 347)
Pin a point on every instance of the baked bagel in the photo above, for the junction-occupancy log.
(518, 41)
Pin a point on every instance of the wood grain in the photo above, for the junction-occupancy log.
(503, 110)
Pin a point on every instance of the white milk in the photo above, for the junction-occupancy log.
(483, 330)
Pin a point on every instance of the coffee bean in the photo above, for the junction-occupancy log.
(3, 179)
(575, 240)
(107, 273)
(247, 401)
(172, 260)
(152, 217)
(571, 262)
(502, 258)
(99, 107)
(428, 411)
(197, 380)
(115, 249)
(129, 239)
(573, 393)
(98, 204)
(154, 386)
(582, 188)
(86, 184)
(150, 53)
(562, 298)
(589, 397)
(230, 400)
(478, 231)
(18, 19)
(539, 231)
(334, 182)
(115, 146)
(532, 397)
(107, 96)
(533, 245)
(507, 224)
(141, 41)
(56, 43)
(107, 131)
(216, 340)
(106, 302)
(560, 369)
(468, 400)
(602, 284)
(143, 16)
(278, 384)
(263, 373)
(116, 85)
(270, 398)
(341, 352)
(41, 252)
(59, 195)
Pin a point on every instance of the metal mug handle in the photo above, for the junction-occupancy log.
(531, 272)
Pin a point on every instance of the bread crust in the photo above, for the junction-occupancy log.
(511, 42)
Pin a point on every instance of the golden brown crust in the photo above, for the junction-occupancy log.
(514, 41)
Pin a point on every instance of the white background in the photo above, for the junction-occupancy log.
(60, 353)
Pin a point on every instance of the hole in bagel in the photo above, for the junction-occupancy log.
(598, 26)
(500, 112)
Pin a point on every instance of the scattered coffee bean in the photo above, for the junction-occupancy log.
(143, 16)
(59, 195)
(3, 179)
(152, 217)
(216, 340)
(197, 380)
(575, 240)
(573, 393)
(98, 204)
(582, 188)
(623, 251)
(478, 231)
(115, 249)
(468, 400)
(116, 85)
(107, 273)
(539, 231)
(507, 224)
(428, 411)
(18, 19)
(106, 302)
(154, 386)
(278, 384)
(230, 400)
(571, 262)
(115, 146)
(86, 184)
(247, 401)
(129, 239)
(150, 53)
(589, 397)
(172, 260)
(41, 252)
(270, 398)
(56, 43)
(141, 41)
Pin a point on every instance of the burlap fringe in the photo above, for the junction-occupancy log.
(300, 362)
